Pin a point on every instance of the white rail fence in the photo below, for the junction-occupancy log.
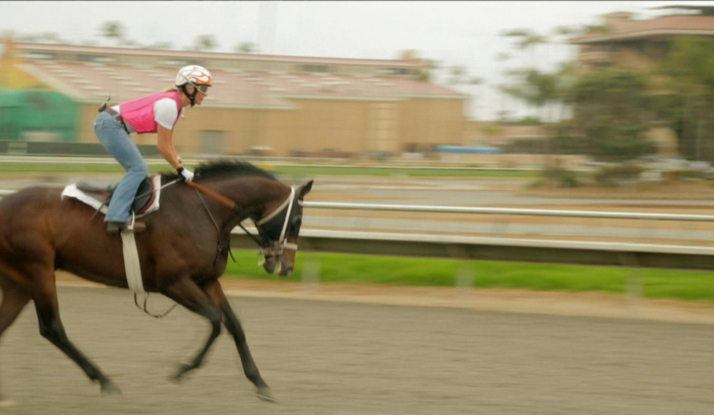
(496, 248)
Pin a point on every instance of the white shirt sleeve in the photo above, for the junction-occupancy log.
(165, 113)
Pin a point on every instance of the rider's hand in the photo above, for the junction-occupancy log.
(185, 173)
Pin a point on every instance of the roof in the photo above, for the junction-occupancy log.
(93, 82)
(662, 26)
(705, 10)
(44, 47)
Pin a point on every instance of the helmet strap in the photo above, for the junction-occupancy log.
(191, 97)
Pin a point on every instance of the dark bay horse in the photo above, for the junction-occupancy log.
(182, 252)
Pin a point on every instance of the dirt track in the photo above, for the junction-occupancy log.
(347, 358)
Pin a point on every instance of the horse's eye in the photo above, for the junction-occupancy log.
(297, 219)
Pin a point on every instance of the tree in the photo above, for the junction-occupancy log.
(613, 113)
(114, 31)
(51, 37)
(526, 41)
(688, 95)
(459, 75)
(426, 74)
(205, 43)
(161, 46)
(246, 47)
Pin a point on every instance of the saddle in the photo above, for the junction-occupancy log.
(143, 200)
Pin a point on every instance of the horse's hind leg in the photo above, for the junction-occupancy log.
(13, 301)
(46, 304)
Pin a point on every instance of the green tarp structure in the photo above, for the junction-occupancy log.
(23, 112)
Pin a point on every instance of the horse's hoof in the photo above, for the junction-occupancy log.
(265, 394)
(110, 389)
(7, 403)
(179, 375)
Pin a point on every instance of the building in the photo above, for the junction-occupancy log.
(277, 105)
(638, 45)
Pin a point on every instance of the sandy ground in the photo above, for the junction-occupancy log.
(503, 300)
(324, 357)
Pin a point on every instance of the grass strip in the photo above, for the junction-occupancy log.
(341, 268)
(80, 168)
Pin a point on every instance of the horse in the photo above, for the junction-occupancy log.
(182, 252)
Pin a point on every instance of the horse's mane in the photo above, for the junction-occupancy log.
(223, 168)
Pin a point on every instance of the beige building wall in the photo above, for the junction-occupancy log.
(328, 124)
(427, 122)
(316, 125)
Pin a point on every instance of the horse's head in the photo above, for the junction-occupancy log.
(279, 232)
(275, 208)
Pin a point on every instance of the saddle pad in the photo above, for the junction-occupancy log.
(73, 192)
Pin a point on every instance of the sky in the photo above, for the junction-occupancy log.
(452, 33)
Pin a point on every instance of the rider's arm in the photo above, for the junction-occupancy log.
(166, 146)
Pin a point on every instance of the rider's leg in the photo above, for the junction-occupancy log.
(120, 145)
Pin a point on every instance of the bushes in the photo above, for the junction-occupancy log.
(561, 177)
(617, 174)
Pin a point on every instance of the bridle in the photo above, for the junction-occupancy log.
(270, 248)
(276, 248)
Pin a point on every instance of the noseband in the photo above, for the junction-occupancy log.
(276, 248)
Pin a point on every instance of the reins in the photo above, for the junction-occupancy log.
(225, 202)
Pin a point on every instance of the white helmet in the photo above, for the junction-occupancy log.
(194, 76)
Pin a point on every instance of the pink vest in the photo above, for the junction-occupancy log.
(139, 113)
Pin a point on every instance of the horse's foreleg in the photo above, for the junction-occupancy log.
(46, 304)
(216, 294)
(13, 301)
(189, 295)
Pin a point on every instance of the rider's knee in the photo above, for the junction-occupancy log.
(142, 169)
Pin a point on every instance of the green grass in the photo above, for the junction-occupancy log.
(680, 285)
(76, 168)
(80, 168)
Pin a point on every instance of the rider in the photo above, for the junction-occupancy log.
(157, 113)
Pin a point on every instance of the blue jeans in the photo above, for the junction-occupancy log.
(120, 145)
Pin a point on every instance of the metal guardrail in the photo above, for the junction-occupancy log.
(509, 211)
(496, 211)
(499, 249)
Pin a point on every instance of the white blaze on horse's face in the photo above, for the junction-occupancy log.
(280, 230)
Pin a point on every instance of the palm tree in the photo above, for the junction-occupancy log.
(205, 43)
(51, 37)
(246, 47)
(459, 76)
(161, 46)
(114, 31)
(526, 40)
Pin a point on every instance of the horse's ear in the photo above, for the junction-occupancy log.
(305, 189)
